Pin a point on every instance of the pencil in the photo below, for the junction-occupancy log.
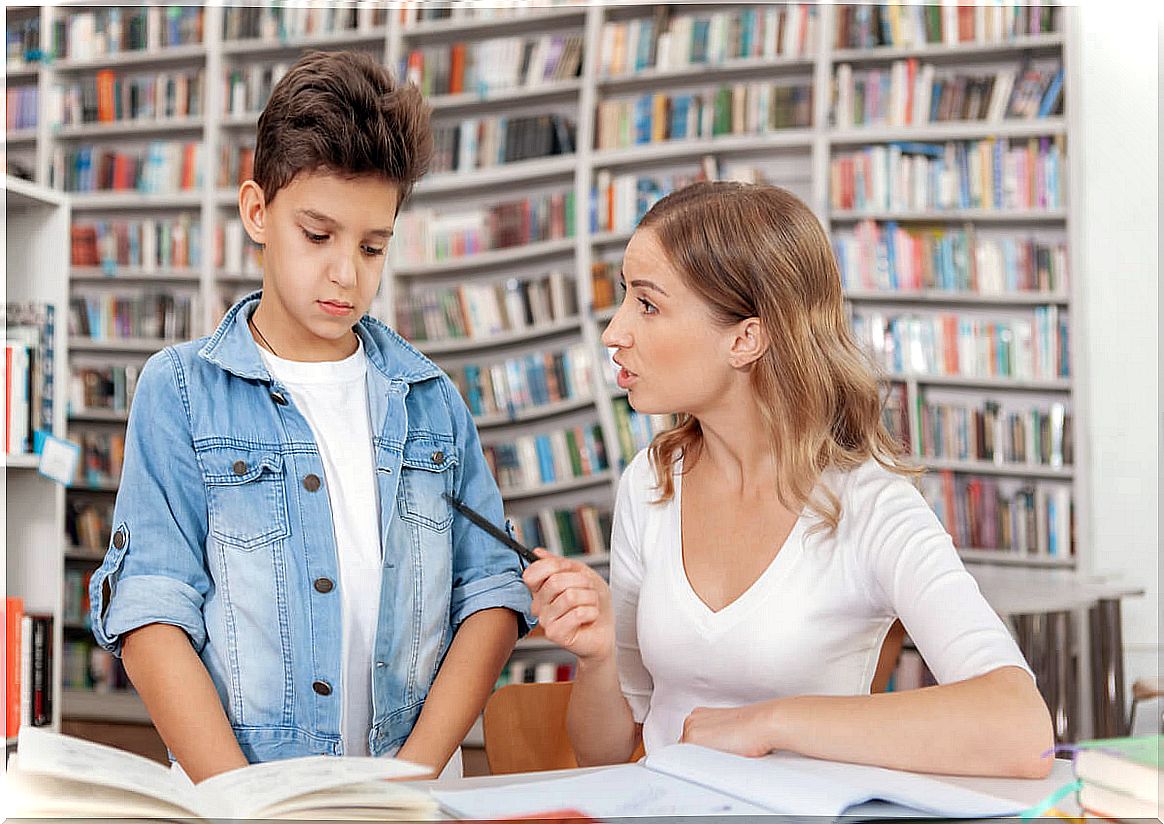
(480, 521)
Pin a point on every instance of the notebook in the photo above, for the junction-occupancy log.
(685, 779)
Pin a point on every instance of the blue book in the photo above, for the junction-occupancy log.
(700, 29)
(473, 389)
(545, 459)
(890, 234)
(643, 106)
(1051, 95)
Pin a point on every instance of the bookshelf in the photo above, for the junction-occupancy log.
(239, 70)
(36, 226)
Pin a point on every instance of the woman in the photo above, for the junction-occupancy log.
(764, 547)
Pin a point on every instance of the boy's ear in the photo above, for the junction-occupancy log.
(252, 207)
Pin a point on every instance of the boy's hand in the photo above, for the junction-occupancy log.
(572, 603)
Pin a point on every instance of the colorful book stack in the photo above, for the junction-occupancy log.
(29, 374)
(21, 111)
(997, 433)
(111, 97)
(636, 430)
(247, 88)
(85, 35)
(673, 39)
(581, 530)
(524, 383)
(619, 201)
(236, 164)
(28, 667)
(106, 388)
(85, 666)
(149, 244)
(526, 671)
(1122, 778)
(987, 174)
(88, 524)
(484, 309)
(753, 108)
(234, 252)
(488, 66)
(148, 315)
(483, 143)
(527, 462)
(102, 454)
(869, 26)
(890, 256)
(159, 167)
(271, 21)
(412, 12)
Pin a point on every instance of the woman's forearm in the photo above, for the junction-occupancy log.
(601, 726)
(996, 724)
(181, 699)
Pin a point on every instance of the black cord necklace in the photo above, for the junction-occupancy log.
(262, 337)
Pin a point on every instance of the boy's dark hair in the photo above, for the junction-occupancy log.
(342, 112)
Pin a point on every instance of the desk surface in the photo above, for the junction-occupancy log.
(1026, 792)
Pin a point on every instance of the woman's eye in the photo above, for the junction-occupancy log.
(648, 307)
(372, 251)
(314, 238)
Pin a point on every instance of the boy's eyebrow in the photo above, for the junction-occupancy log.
(331, 222)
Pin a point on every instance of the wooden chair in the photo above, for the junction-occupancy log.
(525, 724)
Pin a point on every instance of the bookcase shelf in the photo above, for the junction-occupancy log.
(704, 73)
(18, 137)
(534, 413)
(524, 95)
(941, 215)
(21, 461)
(1059, 385)
(142, 345)
(103, 201)
(21, 73)
(956, 298)
(136, 59)
(491, 259)
(568, 485)
(117, 705)
(459, 345)
(521, 171)
(127, 274)
(961, 130)
(1034, 44)
(1011, 470)
(144, 126)
(346, 38)
(698, 147)
(481, 28)
(611, 238)
(1009, 558)
(99, 416)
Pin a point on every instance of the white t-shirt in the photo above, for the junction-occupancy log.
(814, 621)
(333, 397)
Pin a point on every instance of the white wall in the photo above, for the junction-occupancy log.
(1117, 101)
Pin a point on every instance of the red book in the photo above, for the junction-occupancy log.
(13, 618)
(106, 96)
(457, 69)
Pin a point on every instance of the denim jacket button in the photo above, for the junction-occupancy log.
(438, 457)
(119, 538)
(240, 467)
(321, 687)
(311, 482)
(323, 585)
(279, 398)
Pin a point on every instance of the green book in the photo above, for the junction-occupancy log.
(1126, 766)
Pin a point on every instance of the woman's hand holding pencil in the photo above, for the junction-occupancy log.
(572, 603)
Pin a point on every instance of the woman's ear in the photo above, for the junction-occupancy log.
(749, 343)
(252, 207)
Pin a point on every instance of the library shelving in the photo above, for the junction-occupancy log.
(775, 88)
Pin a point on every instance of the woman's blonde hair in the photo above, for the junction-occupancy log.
(758, 251)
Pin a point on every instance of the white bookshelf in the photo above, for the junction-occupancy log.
(36, 229)
(798, 158)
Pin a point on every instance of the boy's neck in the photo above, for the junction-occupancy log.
(289, 341)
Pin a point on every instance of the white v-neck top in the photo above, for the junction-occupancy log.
(811, 624)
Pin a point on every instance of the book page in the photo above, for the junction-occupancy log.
(379, 799)
(248, 792)
(794, 785)
(44, 753)
(613, 792)
(33, 795)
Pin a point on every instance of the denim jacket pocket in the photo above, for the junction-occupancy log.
(246, 496)
(426, 473)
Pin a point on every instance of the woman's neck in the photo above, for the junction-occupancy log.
(736, 443)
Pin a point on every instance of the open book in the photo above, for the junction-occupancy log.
(57, 776)
(685, 779)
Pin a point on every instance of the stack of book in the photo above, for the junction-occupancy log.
(148, 244)
(29, 382)
(28, 659)
(1121, 778)
(493, 65)
(482, 143)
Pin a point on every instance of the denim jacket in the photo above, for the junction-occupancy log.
(222, 528)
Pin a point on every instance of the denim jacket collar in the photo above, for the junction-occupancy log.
(232, 348)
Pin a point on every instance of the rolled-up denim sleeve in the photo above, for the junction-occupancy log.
(154, 571)
(486, 574)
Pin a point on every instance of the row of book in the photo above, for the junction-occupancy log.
(526, 382)
(89, 523)
(530, 461)
(583, 530)
(234, 251)
(411, 12)
(148, 244)
(477, 311)
(987, 513)
(997, 433)
(86, 666)
(102, 454)
(28, 667)
(21, 41)
(753, 108)
(84, 35)
(272, 21)
(75, 596)
(526, 671)
(619, 201)
(1019, 348)
(488, 66)
(965, 174)
(109, 96)
(636, 430)
(605, 291)
(676, 40)
(106, 388)
(425, 236)
(236, 164)
(21, 103)
(869, 26)
(158, 167)
(29, 374)
(892, 257)
(486, 142)
(143, 314)
(247, 88)
(908, 94)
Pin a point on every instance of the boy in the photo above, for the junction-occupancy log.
(284, 577)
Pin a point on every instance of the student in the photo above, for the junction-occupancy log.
(764, 547)
(284, 577)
